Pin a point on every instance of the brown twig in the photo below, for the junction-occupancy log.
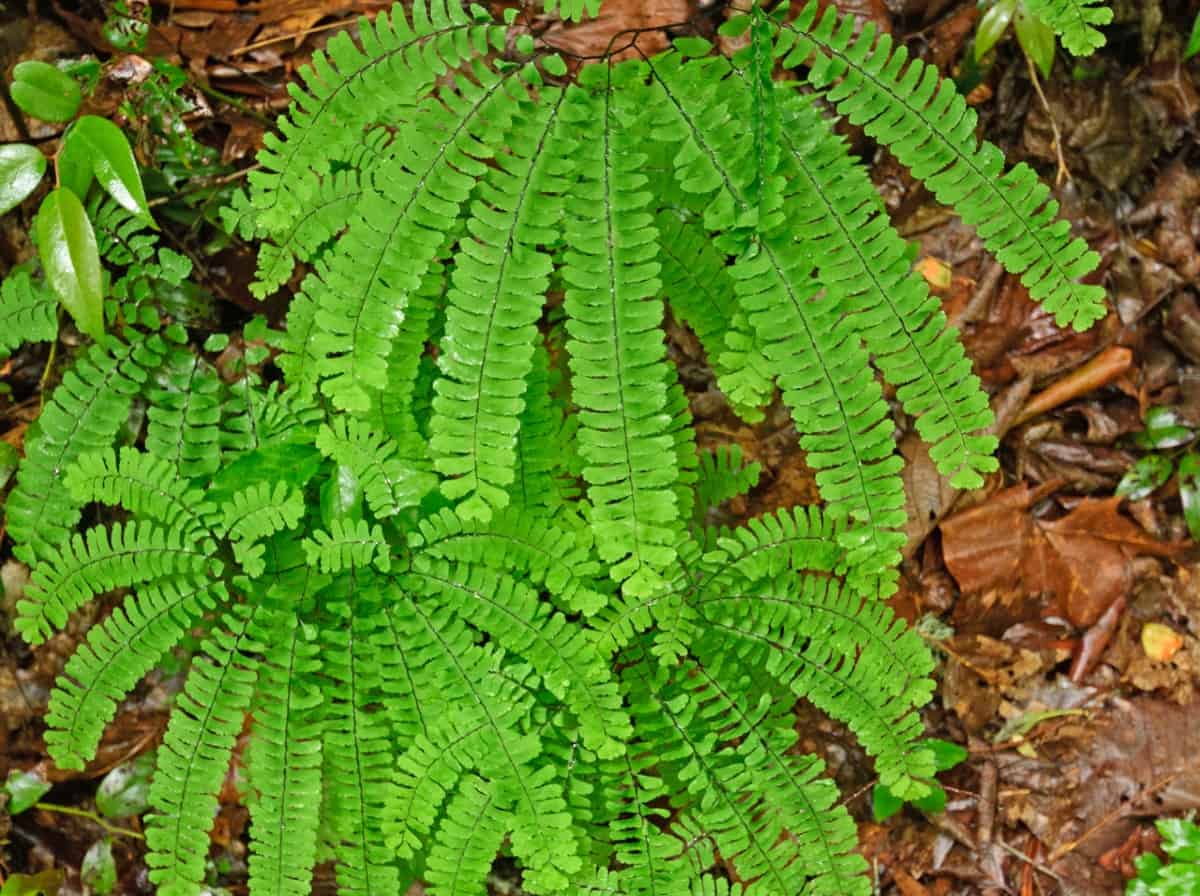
(1101, 370)
(1063, 173)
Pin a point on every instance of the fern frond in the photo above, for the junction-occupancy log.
(565, 658)
(400, 229)
(105, 559)
(926, 123)
(795, 539)
(184, 415)
(616, 347)
(348, 544)
(283, 764)
(494, 303)
(28, 312)
(793, 787)
(516, 541)
(863, 265)
(84, 414)
(356, 736)
(544, 444)
(468, 838)
(1075, 21)
(256, 512)
(389, 484)
(328, 212)
(698, 287)
(349, 87)
(142, 483)
(195, 753)
(844, 653)
(117, 654)
(724, 475)
(573, 10)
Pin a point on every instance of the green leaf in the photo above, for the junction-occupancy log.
(933, 802)
(41, 90)
(24, 789)
(71, 259)
(1181, 838)
(125, 790)
(99, 869)
(74, 165)
(21, 170)
(1193, 44)
(1037, 40)
(946, 754)
(113, 163)
(341, 496)
(884, 803)
(1164, 429)
(992, 26)
(1189, 492)
(1144, 477)
(44, 883)
(8, 462)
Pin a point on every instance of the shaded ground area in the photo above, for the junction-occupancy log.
(1066, 618)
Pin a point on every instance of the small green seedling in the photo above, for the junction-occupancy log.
(1180, 875)
(1033, 34)
(946, 755)
(1172, 444)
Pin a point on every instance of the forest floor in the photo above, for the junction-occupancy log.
(1066, 619)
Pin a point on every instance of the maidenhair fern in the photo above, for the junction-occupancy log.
(457, 572)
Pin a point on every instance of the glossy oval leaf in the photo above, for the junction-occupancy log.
(71, 259)
(21, 170)
(1036, 39)
(1189, 492)
(1144, 477)
(1193, 44)
(112, 162)
(41, 90)
(992, 26)
(74, 166)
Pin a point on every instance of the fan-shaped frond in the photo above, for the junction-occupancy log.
(115, 657)
(904, 103)
(84, 414)
(195, 753)
(618, 375)
(494, 302)
(104, 559)
(349, 87)
(863, 265)
(256, 512)
(398, 230)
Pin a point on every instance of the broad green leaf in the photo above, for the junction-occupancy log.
(71, 259)
(112, 162)
(1036, 39)
(1193, 44)
(99, 869)
(1189, 492)
(341, 496)
(1164, 429)
(41, 90)
(21, 170)
(126, 789)
(992, 26)
(24, 789)
(1144, 477)
(933, 802)
(946, 754)
(884, 803)
(74, 165)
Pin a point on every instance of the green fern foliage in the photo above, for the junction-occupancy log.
(445, 548)
(1077, 22)
(28, 312)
